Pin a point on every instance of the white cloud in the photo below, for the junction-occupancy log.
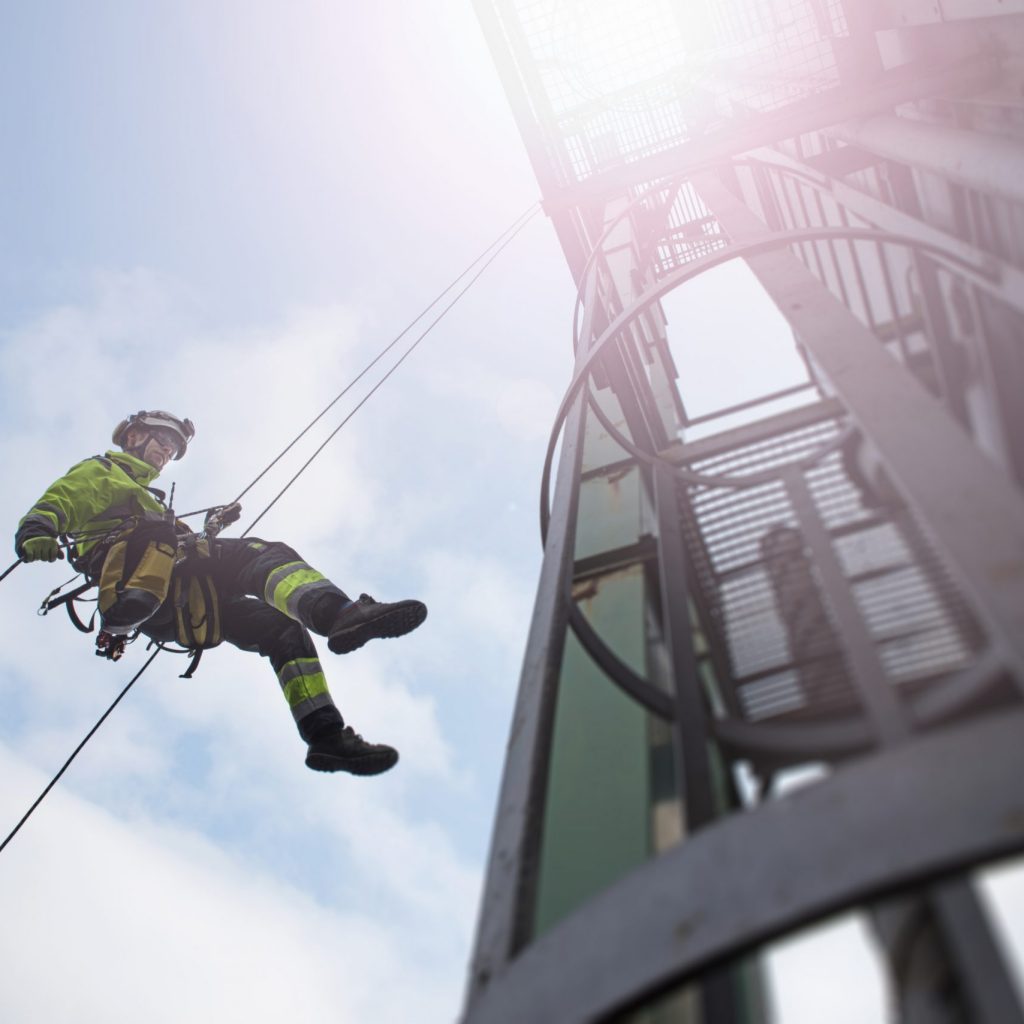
(409, 860)
(480, 600)
(107, 920)
(136, 345)
(808, 969)
(236, 695)
(523, 407)
(1001, 890)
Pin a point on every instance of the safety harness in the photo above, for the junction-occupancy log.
(196, 603)
(147, 558)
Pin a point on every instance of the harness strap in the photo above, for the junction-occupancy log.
(194, 591)
(193, 664)
(68, 600)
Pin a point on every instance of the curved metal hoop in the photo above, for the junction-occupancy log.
(841, 737)
(669, 283)
(849, 735)
(675, 183)
(644, 692)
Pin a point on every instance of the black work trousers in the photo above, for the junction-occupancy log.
(270, 599)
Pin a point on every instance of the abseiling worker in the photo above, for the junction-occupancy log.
(156, 576)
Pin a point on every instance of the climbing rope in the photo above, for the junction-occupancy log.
(486, 257)
(75, 752)
(483, 261)
(504, 239)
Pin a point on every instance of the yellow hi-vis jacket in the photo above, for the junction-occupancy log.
(93, 498)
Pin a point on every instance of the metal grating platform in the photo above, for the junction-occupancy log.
(621, 82)
(785, 651)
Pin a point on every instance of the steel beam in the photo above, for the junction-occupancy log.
(684, 453)
(503, 905)
(981, 967)
(860, 652)
(1007, 285)
(908, 13)
(987, 163)
(691, 725)
(900, 85)
(909, 815)
(530, 110)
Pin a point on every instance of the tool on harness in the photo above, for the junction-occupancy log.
(89, 566)
(139, 565)
(136, 574)
(196, 604)
(195, 599)
(108, 645)
(111, 646)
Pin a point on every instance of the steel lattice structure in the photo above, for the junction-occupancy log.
(829, 575)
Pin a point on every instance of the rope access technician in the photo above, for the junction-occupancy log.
(156, 576)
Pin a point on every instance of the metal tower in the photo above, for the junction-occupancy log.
(825, 582)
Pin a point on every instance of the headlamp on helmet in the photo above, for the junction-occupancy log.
(182, 430)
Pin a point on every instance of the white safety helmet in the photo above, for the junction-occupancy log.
(156, 419)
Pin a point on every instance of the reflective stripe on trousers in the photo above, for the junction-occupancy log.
(288, 584)
(304, 686)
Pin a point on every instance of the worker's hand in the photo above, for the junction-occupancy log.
(45, 549)
(221, 516)
(230, 513)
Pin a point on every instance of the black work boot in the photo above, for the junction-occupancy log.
(366, 619)
(344, 750)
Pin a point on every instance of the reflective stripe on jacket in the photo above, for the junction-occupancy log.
(95, 496)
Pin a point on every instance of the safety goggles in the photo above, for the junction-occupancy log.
(167, 438)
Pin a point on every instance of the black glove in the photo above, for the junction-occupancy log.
(231, 513)
(221, 516)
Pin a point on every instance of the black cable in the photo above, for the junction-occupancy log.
(514, 227)
(10, 569)
(74, 754)
(399, 362)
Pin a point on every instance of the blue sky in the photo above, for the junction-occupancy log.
(225, 209)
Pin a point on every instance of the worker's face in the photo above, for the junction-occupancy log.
(160, 445)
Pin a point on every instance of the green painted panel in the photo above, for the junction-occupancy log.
(610, 514)
(601, 449)
(597, 814)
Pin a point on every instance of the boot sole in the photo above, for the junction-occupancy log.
(395, 622)
(372, 764)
